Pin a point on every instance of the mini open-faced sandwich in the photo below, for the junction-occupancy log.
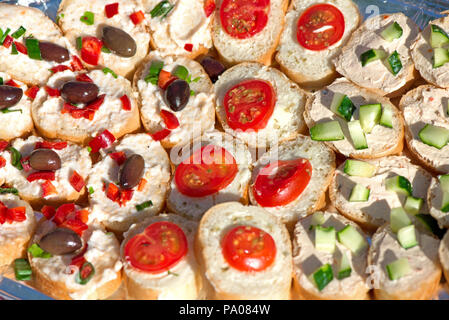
(17, 223)
(213, 169)
(177, 99)
(329, 258)
(444, 255)
(77, 106)
(32, 46)
(180, 27)
(290, 181)
(430, 52)
(245, 253)
(46, 171)
(425, 111)
(159, 260)
(313, 35)
(403, 261)
(438, 200)
(354, 121)
(129, 183)
(377, 56)
(259, 104)
(367, 191)
(248, 30)
(107, 33)
(72, 257)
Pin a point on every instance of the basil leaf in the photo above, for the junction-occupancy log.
(161, 9)
(107, 70)
(87, 18)
(19, 32)
(34, 52)
(15, 158)
(144, 205)
(153, 74)
(91, 190)
(181, 72)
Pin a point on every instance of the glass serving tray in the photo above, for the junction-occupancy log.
(421, 11)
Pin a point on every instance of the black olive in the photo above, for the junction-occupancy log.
(119, 42)
(53, 52)
(9, 96)
(61, 241)
(45, 160)
(177, 94)
(79, 92)
(132, 171)
(213, 67)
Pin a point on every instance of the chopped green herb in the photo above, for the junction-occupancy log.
(181, 72)
(2, 39)
(144, 205)
(37, 252)
(34, 52)
(196, 79)
(91, 190)
(59, 17)
(14, 49)
(172, 273)
(22, 270)
(89, 149)
(105, 50)
(7, 110)
(107, 70)
(79, 43)
(1, 80)
(162, 9)
(153, 74)
(9, 190)
(15, 158)
(19, 32)
(192, 93)
(87, 18)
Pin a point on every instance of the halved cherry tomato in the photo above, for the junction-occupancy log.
(59, 68)
(126, 104)
(21, 48)
(32, 92)
(77, 181)
(57, 145)
(8, 41)
(248, 248)
(91, 50)
(48, 212)
(160, 135)
(41, 175)
(3, 145)
(119, 157)
(249, 104)
(137, 17)
(320, 26)
(243, 19)
(102, 140)
(165, 78)
(207, 171)
(209, 7)
(170, 120)
(2, 162)
(111, 9)
(161, 246)
(48, 188)
(52, 92)
(281, 182)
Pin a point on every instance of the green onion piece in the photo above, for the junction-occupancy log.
(89, 149)
(22, 269)
(85, 273)
(105, 49)
(9, 190)
(88, 18)
(59, 17)
(2, 39)
(15, 158)
(79, 43)
(37, 252)
(144, 205)
(192, 93)
(19, 32)
(7, 110)
(1, 80)
(196, 79)
(14, 49)
(172, 273)
(91, 190)
(34, 52)
(153, 74)
(161, 9)
(181, 72)
(107, 70)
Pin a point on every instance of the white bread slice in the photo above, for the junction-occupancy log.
(422, 55)
(375, 75)
(312, 69)
(306, 259)
(226, 282)
(421, 283)
(237, 190)
(382, 141)
(286, 120)
(260, 47)
(434, 200)
(313, 198)
(182, 281)
(376, 211)
(443, 253)
(426, 105)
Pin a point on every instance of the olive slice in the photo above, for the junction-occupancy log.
(9, 96)
(61, 241)
(132, 171)
(177, 94)
(79, 92)
(44, 160)
(53, 52)
(213, 67)
(119, 42)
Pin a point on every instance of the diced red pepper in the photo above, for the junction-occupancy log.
(62, 212)
(57, 145)
(25, 164)
(137, 17)
(8, 41)
(41, 175)
(188, 47)
(119, 157)
(103, 140)
(3, 210)
(160, 135)
(142, 184)
(96, 104)
(12, 83)
(48, 212)
(126, 104)
(125, 196)
(209, 7)
(91, 50)
(3, 145)
(78, 261)
(21, 48)
(84, 78)
(32, 92)
(48, 189)
(76, 64)
(17, 214)
(113, 192)
(77, 181)
(60, 68)
(83, 215)
(2, 162)
(74, 224)
(170, 120)
(111, 9)
(52, 92)
(165, 78)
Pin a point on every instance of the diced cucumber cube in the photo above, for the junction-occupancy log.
(413, 205)
(444, 184)
(440, 57)
(372, 55)
(344, 267)
(325, 239)
(430, 224)
(327, 131)
(398, 269)
(438, 37)
(399, 184)
(407, 237)
(342, 106)
(445, 202)
(370, 116)
(399, 219)
(387, 117)
(393, 31)
(357, 135)
(359, 168)
(317, 219)
(352, 239)
(322, 276)
(394, 63)
(434, 136)
(359, 193)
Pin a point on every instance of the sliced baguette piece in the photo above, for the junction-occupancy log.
(273, 283)
(421, 283)
(374, 212)
(375, 75)
(421, 106)
(260, 47)
(382, 141)
(286, 120)
(322, 160)
(435, 202)
(307, 259)
(313, 69)
(182, 281)
(443, 253)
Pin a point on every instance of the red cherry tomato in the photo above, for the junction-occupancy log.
(160, 247)
(248, 248)
(249, 105)
(206, 172)
(320, 26)
(91, 50)
(281, 182)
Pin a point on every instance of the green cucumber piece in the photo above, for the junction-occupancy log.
(398, 269)
(413, 205)
(445, 202)
(325, 239)
(440, 57)
(430, 224)
(352, 239)
(327, 131)
(370, 116)
(399, 219)
(438, 37)
(344, 267)
(394, 63)
(22, 270)
(387, 117)
(444, 184)
(359, 168)
(399, 184)
(317, 219)
(371, 55)
(322, 276)
(357, 135)
(359, 193)
(393, 31)
(342, 106)
(434, 136)
(407, 237)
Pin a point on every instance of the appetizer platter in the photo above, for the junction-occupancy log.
(224, 149)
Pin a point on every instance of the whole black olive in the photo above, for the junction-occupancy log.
(61, 241)
(79, 92)
(9, 96)
(119, 42)
(45, 160)
(177, 94)
(213, 67)
(132, 171)
(53, 52)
